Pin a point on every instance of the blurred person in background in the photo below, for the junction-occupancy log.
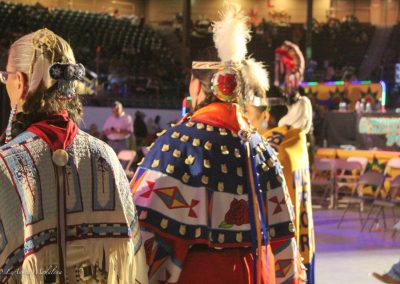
(94, 131)
(118, 128)
(140, 129)
(153, 126)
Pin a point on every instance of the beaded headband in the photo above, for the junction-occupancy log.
(258, 101)
(207, 65)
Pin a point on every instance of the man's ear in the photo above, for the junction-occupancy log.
(198, 87)
(22, 85)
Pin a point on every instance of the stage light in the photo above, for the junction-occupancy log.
(334, 83)
(306, 84)
(383, 100)
(184, 104)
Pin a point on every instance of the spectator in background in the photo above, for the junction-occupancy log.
(154, 125)
(94, 131)
(310, 69)
(157, 126)
(150, 125)
(118, 128)
(330, 73)
(140, 128)
(348, 73)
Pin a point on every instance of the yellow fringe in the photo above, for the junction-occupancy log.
(123, 265)
(124, 268)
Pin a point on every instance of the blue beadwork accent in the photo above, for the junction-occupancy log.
(101, 171)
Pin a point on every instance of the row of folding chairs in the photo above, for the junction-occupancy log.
(384, 198)
(347, 181)
(334, 178)
(370, 189)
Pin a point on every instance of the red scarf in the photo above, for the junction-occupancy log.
(57, 130)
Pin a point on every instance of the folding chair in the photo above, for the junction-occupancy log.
(396, 228)
(127, 158)
(347, 174)
(322, 176)
(384, 199)
(393, 162)
(362, 160)
(370, 178)
(392, 169)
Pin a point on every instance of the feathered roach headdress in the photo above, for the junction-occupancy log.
(289, 66)
(231, 35)
(237, 78)
(289, 71)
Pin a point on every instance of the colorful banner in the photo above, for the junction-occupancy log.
(332, 93)
(388, 127)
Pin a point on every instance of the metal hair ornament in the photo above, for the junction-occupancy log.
(225, 84)
(65, 74)
(210, 65)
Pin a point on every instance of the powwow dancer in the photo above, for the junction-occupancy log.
(210, 193)
(65, 209)
(284, 119)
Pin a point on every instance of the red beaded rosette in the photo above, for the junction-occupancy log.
(225, 85)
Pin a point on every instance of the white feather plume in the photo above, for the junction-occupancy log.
(231, 33)
(255, 77)
(299, 115)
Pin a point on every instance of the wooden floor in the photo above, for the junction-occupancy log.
(347, 255)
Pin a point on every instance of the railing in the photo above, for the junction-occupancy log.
(168, 100)
(363, 14)
(115, 7)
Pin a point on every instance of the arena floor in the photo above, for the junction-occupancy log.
(347, 255)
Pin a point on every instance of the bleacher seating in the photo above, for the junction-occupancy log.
(103, 43)
(342, 43)
(141, 64)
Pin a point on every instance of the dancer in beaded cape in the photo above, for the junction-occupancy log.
(284, 118)
(210, 193)
(66, 215)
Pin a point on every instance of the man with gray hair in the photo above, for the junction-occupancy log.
(118, 127)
